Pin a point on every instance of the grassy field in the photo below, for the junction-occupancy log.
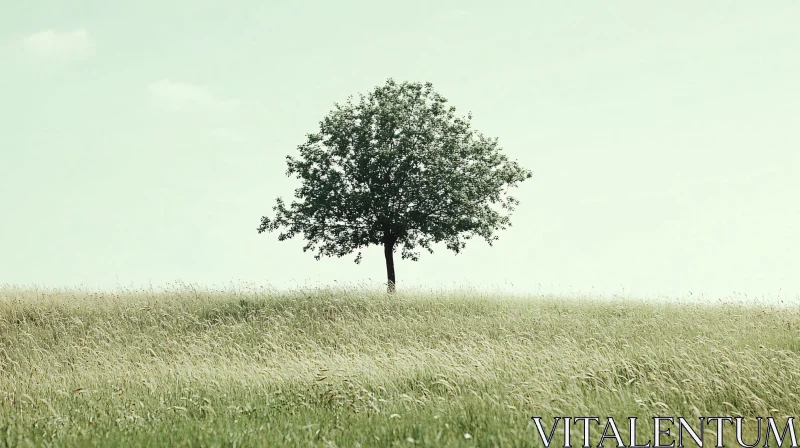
(189, 367)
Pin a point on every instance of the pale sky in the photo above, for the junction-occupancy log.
(142, 141)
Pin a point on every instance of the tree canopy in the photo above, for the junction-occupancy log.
(396, 168)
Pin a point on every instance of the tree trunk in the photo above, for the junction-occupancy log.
(388, 252)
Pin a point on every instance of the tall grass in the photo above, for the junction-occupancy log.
(189, 366)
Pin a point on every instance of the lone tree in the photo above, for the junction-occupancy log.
(397, 168)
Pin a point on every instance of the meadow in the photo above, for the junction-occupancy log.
(188, 366)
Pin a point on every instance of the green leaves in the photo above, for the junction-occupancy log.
(397, 165)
